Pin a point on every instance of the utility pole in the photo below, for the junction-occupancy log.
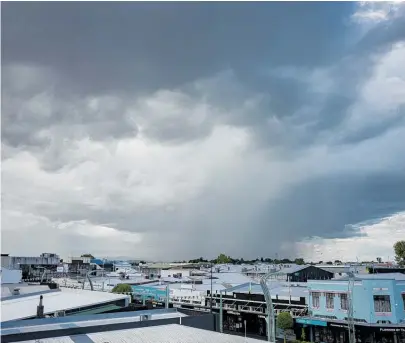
(350, 312)
(211, 291)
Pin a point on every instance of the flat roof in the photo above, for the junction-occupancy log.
(65, 299)
(83, 321)
(172, 333)
(7, 289)
(382, 276)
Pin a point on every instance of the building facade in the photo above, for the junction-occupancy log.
(378, 303)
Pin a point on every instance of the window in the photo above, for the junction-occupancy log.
(329, 300)
(382, 303)
(403, 299)
(315, 300)
(344, 303)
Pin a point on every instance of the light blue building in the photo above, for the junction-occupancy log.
(378, 309)
(377, 298)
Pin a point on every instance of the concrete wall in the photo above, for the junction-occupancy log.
(363, 303)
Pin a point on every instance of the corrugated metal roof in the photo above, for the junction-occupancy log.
(292, 269)
(231, 278)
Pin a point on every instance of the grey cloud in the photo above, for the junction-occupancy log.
(148, 46)
(120, 70)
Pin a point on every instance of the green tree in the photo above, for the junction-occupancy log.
(222, 259)
(399, 248)
(299, 261)
(285, 322)
(122, 288)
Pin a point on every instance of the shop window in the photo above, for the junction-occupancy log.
(382, 303)
(330, 300)
(315, 300)
(344, 303)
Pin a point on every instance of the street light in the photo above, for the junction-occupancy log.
(271, 328)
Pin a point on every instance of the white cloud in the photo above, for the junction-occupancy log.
(374, 240)
(28, 234)
(376, 11)
(383, 94)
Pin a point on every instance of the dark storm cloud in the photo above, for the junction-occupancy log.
(240, 54)
(158, 45)
(336, 201)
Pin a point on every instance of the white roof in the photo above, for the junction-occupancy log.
(231, 278)
(173, 333)
(95, 322)
(65, 299)
(6, 290)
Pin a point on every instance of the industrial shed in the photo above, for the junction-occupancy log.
(302, 274)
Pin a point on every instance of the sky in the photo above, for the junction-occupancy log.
(170, 131)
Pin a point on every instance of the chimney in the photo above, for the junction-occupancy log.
(40, 308)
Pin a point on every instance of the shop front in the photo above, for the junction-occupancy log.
(334, 332)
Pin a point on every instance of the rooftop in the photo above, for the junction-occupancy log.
(172, 333)
(84, 321)
(7, 289)
(383, 276)
(60, 300)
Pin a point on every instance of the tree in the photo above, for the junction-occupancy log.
(122, 288)
(87, 255)
(223, 259)
(198, 260)
(285, 322)
(299, 261)
(399, 248)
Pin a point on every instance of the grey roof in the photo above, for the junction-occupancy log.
(173, 333)
(292, 269)
(51, 324)
(64, 299)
